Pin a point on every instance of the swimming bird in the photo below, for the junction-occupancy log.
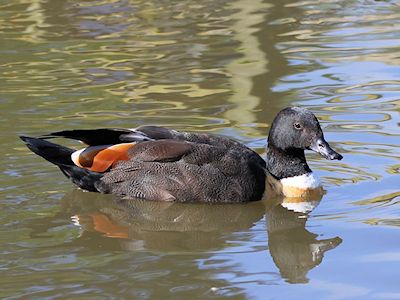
(157, 163)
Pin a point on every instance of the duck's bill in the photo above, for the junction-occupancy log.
(322, 147)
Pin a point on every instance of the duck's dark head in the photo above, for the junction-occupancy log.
(296, 128)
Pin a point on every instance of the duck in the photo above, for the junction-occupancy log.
(162, 164)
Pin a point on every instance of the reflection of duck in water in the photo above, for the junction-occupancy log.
(294, 249)
(160, 226)
(137, 225)
(156, 163)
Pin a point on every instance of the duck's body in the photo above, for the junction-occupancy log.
(156, 163)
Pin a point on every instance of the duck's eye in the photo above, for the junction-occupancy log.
(297, 126)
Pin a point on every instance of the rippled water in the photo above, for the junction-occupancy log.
(220, 66)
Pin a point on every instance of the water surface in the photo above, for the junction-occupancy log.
(211, 66)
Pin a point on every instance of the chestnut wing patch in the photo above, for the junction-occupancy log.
(100, 158)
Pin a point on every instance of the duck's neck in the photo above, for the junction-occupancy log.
(285, 164)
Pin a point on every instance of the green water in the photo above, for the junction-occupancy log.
(213, 66)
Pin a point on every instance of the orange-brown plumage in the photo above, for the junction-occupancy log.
(101, 158)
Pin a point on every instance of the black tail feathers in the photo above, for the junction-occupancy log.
(56, 154)
(61, 156)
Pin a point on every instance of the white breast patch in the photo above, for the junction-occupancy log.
(305, 181)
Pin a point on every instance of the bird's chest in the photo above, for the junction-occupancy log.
(303, 186)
